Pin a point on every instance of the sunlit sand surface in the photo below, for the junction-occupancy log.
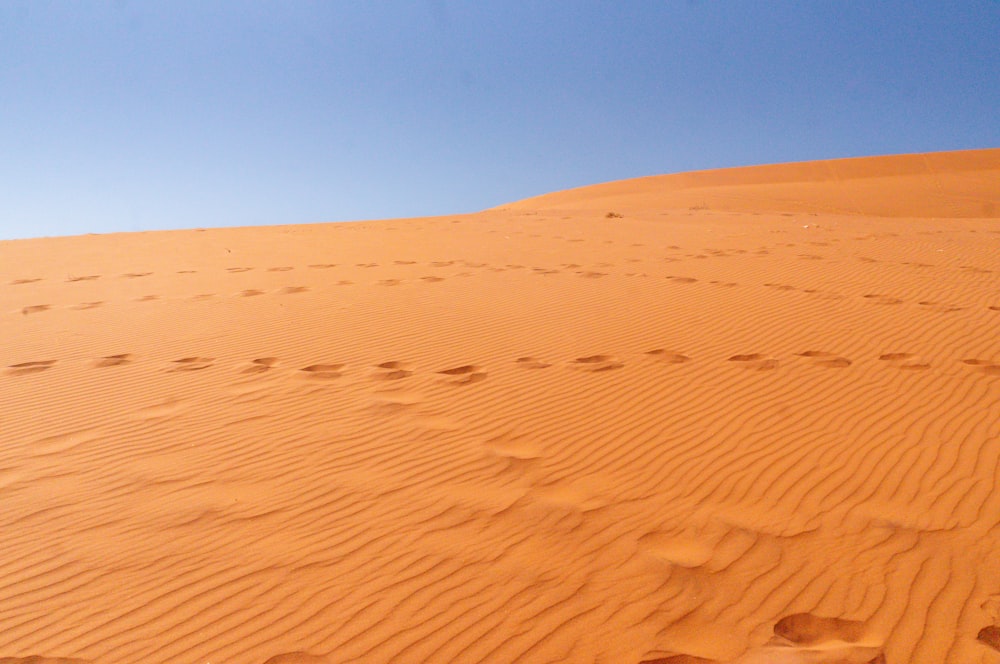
(749, 416)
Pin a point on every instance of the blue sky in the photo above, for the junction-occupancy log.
(119, 116)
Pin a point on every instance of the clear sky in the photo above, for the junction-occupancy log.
(151, 115)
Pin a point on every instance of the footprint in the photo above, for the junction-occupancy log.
(532, 363)
(432, 279)
(192, 364)
(904, 361)
(678, 659)
(990, 636)
(667, 356)
(809, 629)
(780, 287)
(404, 262)
(29, 367)
(994, 308)
(442, 263)
(940, 307)
(392, 370)
(288, 290)
(389, 282)
(464, 375)
(62, 443)
(322, 266)
(683, 280)
(366, 264)
(297, 657)
(39, 659)
(187, 271)
(260, 365)
(203, 296)
(250, 292)
(323, 371)
(882, 299)
(825, 359)
(89, 277)
(35, 308)
(149, 298)
(985, 366)
(238, 269)
(280, 269)
(894, 357)
(751, 357)
(87, 305)
(677, 550)
(136, 275)
(114, 360)
(592, 275)
(19, 282)
(755, 361)
(513, 447)
(914, 366)
(596, 363)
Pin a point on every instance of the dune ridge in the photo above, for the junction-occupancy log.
(533, 434)
(930, 185)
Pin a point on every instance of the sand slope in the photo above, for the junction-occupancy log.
(763, 430)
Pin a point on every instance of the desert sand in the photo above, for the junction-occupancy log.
(748, 415)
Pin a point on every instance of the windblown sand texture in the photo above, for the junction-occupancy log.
(748, 415)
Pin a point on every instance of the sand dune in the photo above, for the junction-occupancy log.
(752, 416)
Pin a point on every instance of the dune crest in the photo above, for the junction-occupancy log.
(940, 185)
(741, 416)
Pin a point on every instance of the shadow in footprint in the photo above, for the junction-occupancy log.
(985, 366)
(755, 361)
(40, 659)
(323, 371)
(192, 364)
(297, 657)
(532, 363)
(904, 361)
(667, 356)
(882, 299)
(990, 636)
(392, 370)
(114, 360)
(24, 368)
(824, 359)
(597, 363)
(809, 629)
(463, 375)
(260, 365)
(35, 308)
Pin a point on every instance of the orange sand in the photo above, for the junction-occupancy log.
(755, 418)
